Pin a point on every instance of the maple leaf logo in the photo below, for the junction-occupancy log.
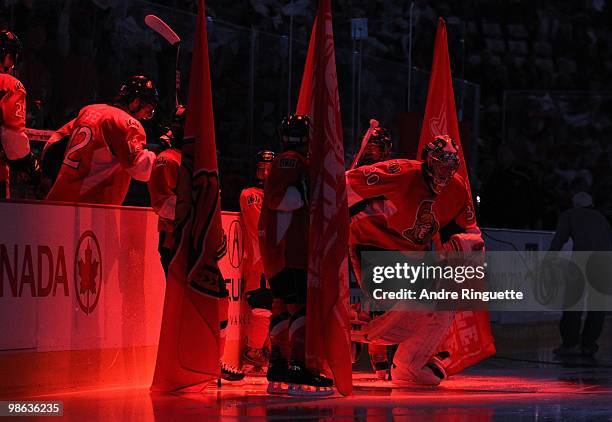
(88, 271)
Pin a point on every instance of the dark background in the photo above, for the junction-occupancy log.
(532, 87)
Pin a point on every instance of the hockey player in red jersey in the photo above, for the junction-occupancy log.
(283, 229)
(365, 214)
(162, 185)
(259, 297)
(106, 147)
(420, 199)
(14, 144)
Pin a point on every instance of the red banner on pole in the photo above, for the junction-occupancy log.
(196, 299)
(469, 339)
(327, 317)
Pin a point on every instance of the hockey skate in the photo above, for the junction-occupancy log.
(380, 364)
(303, 382)
(255, 357)
(278, 377)
(230, 372)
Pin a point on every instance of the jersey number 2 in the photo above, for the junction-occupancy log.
(79, 139)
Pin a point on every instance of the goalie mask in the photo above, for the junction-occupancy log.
(378, 148)
(294, 132)
(441, 161)
(264, 163)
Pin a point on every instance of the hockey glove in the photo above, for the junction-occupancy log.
(26, 169)
(260, 298)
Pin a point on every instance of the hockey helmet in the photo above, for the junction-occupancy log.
(294, 131)
(138, 86)
(9, 44)
(378, 147)
(263, 161)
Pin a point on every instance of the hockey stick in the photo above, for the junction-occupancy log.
(159, 26)
(373, 124)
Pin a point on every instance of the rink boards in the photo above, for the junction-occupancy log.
(81, 293)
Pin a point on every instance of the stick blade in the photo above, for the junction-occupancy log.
(159, 26)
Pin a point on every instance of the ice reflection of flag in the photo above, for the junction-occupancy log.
(190, 345)
(327, 326)
(469, 339)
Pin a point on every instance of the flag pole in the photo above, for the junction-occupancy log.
(290, 57)
(410, 58)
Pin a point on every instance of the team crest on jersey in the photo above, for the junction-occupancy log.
(425, 224)
(287, 163)
(253, 199)
(393, 167)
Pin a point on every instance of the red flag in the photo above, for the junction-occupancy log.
(469, 339)
(327, 316)
(195, 301)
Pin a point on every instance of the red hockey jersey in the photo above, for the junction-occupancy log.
(251, 201)
(106, 149)
(162, 188)
(14, 142)
(283, 225)
(411, 215)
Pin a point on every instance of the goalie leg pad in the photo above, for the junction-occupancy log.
(392, 327)
(414, 353)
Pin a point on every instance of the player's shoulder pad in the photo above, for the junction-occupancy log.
(251, 195)
(251, 190)
(458, 186)
(458, 181)
(171, 156)
(394, 166)
(402, 166)
(10, 83)
(160, 161)
(289, 160)
(124, 119)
